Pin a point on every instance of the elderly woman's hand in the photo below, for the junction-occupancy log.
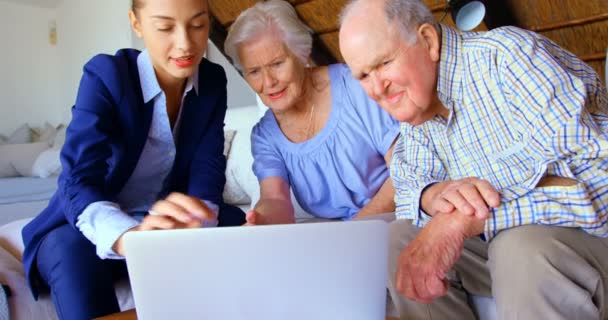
(177, 211)
(251, 218)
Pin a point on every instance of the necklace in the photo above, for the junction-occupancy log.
(310, 126)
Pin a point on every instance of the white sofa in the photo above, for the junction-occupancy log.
(241, 189)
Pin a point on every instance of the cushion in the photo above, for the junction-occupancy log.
(18, 159)
(239, 175)
(59, 138)
(228, 136)
(46, 133)
(262, 108)
(240, 181)
(47, 164)
(2, 139)
(23, 134)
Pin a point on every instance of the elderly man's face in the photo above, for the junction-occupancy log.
(401, 77)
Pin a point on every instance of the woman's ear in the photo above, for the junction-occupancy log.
(430, 37)
(135, 25)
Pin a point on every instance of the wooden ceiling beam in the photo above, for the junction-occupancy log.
(594, 57)
(570, 23)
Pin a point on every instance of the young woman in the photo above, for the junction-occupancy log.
(143, 151)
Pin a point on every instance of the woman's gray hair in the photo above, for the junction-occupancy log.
(408, 14)
(265, 17)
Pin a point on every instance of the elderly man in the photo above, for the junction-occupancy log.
(501, 170)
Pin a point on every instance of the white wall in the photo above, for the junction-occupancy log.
(239, 92)
(39, 81)
(85, 28)
(29, 67)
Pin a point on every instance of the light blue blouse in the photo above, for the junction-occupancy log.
(338, 171)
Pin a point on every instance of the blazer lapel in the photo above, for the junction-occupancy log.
(138, 118)
(197, 112)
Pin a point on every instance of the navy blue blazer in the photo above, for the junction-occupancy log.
(109, 127)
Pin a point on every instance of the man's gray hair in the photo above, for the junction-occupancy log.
(265, 17)
(408, 14)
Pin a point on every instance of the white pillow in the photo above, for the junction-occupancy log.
(47, 164)
(23, 134)
(241, 183)
(238, 168)
(262, 108)
(59, 138)
(228, 136)
(18, 159)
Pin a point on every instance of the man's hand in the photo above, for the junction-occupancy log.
(469, 196)
(177, 211)
(423, 264)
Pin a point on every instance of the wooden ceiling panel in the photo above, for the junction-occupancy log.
(533, 13)
(436, 5)
(584, 40)
(321, 15)
(226, 11)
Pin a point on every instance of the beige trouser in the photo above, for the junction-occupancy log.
(533, 272)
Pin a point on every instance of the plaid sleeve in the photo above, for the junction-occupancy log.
(548, 91)
(414, 167)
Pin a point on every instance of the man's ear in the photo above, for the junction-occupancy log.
(135, 25)
(431, 39)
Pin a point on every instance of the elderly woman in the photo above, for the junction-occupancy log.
(323, 136)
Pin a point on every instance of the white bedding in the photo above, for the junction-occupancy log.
(24, 197)
(20, 210)
(26, 189)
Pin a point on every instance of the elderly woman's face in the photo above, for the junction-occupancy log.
(273, 72)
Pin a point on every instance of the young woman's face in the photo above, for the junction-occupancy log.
(175, 32)
(273, 71)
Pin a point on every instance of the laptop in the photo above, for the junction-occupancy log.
(325, 270)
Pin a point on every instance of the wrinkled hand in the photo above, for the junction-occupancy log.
(469, 196)
(423, 264)
(177, 211)
(251, 218)
(270, 211)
